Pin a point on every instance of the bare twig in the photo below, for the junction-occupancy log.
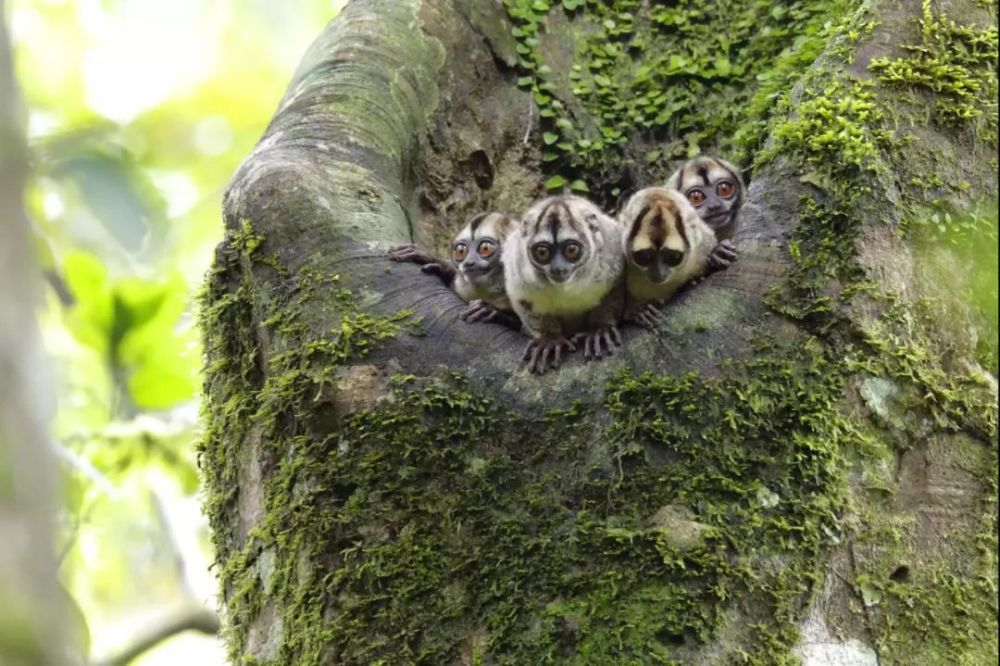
(195, 619)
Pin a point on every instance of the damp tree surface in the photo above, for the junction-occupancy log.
(799, 465)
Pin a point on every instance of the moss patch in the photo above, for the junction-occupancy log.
(438, 517)
(632, 95)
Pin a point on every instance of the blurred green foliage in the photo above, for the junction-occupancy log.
(138, 114)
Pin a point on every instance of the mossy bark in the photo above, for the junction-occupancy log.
(792, 468)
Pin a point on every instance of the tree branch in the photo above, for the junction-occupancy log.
(195, 619)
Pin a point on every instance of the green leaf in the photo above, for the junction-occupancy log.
(165, 376)
(92, 316)
(555, 182)
(579, 186)
(549, 138)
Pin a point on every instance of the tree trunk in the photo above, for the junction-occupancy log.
(31, 609)
(799, 465)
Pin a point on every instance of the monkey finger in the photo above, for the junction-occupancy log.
(547, 356)
(433, 268)
(596, 341)
(609, 345)
(527, 352)
(616, 335)
(534, 365)
(491, 315)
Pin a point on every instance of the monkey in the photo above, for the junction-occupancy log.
(564, 272)
(475, 272)
(716, 189)
(666, 244)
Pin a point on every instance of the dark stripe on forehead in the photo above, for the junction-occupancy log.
(679, 223)
(556, 214)
(657, 226)
(475, 222)
(637, 224)
(559, 216)
(703, 174)
(537, 222)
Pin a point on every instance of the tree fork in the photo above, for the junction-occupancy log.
(384, 481)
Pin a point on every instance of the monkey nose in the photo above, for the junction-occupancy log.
(559, 275)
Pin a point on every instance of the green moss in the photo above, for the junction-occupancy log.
(435, 517)
(265, 397)
(956, 65)
(642, 74)
(835, 128)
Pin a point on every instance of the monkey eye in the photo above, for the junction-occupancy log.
(644, 257)
(725, 189)
(696, 196)
(672, 257)
(486, 249)
(572, 251)
(460, 252)
(542, 253)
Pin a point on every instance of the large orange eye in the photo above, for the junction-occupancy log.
(460, 252)
(486, 249)
(542, 253)
(725, 189)
(572, 251)
(696, 196)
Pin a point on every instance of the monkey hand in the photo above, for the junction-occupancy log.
(722, 256)
(592, 340)
(546, 351)
(412, 254)
(479, 310)
(647, 315)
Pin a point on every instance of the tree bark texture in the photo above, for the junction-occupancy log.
(31, 611)
(798, 466)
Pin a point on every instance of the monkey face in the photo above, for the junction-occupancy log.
(714, 188)
(477, 250)
(656, 242)
(560, 234)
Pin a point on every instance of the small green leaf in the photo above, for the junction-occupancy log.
(555, 182)
(549, 138)
(579, 186)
